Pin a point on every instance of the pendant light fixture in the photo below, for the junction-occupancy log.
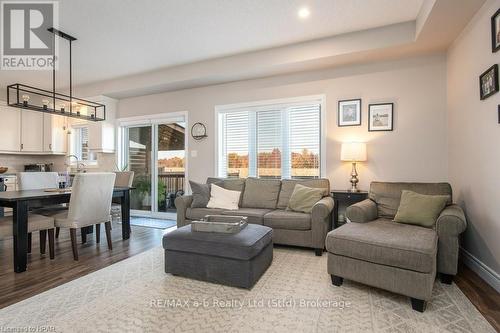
(36, 99)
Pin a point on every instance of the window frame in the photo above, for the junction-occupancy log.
(263, 105)
(73, 147)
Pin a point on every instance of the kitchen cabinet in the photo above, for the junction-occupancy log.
(31, 131)
(10, 129)
(55, 134)
(102, 133)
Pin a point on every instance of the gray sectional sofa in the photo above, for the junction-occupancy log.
(264, 202)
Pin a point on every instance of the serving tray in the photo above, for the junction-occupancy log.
(220, 224)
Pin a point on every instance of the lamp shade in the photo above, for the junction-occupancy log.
(353, 152)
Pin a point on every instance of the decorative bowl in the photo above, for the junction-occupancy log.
(3, 170)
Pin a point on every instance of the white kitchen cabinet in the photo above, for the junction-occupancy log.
(10, 129)
(31, 131)
(55, 134)
(102, 133)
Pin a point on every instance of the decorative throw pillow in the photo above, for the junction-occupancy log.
(201, 194)
(420, 209)
(304, 198)
(222, 198)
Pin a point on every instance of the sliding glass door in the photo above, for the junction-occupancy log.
(139, 151)
(155, 151)
(170, 160)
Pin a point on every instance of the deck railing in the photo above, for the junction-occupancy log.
(173, 181)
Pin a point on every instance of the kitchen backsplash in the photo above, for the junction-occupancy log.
(15, 163)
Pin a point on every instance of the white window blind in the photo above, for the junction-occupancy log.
(304, 133)
(235, 144)
(81, 144)
(269, 143)
(274, 141)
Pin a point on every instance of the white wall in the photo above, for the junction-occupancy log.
(474, 137)
(415, 151)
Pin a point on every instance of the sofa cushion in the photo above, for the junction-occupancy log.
(288, 185)
(223, 198)
(420, 209)
(243, 245)
(233, 184)
(388, 195)
(199, 213)
(304, 198)
(201, 194)
(387, 243)
(255, 215)
(288, 220)
(261, 193)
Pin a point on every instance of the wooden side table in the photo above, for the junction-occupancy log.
(346, 198)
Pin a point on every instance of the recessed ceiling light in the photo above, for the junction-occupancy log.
(304, 13)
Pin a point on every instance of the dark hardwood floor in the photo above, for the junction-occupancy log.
(44, 274)
(482, 295)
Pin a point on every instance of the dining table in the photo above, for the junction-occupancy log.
(20, 202)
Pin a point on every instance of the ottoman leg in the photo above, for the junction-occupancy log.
(418, 304)
(337, 280)
(446, 278)
(318, 252)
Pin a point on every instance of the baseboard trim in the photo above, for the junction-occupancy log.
(486, 273)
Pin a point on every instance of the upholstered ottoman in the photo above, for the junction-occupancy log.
(237, 260)
(397, 257)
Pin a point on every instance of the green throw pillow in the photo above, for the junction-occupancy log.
(420, 209)
(304, 198)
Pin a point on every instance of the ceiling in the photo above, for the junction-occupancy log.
(126, 38)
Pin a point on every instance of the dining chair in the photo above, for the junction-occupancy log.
(123, 179)
(90, 204)
(39, 181)
(36, 222)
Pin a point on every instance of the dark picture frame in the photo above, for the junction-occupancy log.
(341, 121)
(499, 113)
(375, 111)
(488, 82)
(495, 31)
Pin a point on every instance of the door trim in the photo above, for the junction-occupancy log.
(123, 155)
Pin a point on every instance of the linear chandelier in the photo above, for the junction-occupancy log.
(41, 100)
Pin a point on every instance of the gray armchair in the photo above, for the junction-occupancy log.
(398, 257)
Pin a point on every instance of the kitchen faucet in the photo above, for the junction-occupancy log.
(80, 167)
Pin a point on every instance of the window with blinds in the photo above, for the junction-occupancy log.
(81, 144)
(274, 141)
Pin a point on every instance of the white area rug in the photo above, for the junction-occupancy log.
(295, 295)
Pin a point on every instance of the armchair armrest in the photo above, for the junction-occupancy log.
(362, 212)
(451, 221)
(182, 203)
(322, 209)
(320, 222)
(449, 225)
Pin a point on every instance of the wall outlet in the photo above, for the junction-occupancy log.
(194, 153)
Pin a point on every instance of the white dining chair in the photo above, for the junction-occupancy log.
(39, 181)
(90, 204)
(36, 222)
(123, 179)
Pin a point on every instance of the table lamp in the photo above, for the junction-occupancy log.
(353, 152)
